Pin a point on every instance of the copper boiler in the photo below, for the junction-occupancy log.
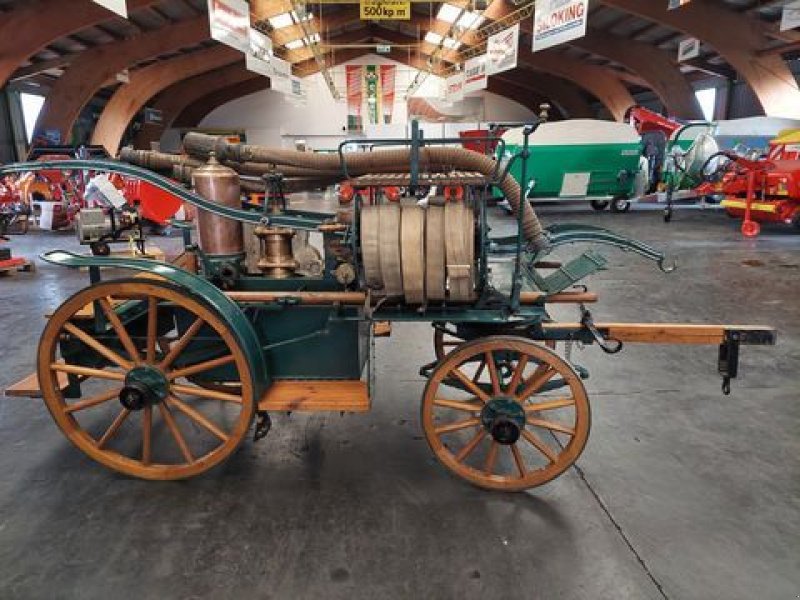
(218, 236)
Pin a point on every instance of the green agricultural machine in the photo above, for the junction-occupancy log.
(581, 160)
(160, 374)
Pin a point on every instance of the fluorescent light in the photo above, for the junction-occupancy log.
(435, 39)
(295, 44)
(306, 17)
(469, 20)
(281, 21)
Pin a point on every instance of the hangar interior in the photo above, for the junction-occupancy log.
(402, 299)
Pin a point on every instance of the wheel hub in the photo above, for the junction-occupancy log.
(504, 419)
(144, 386)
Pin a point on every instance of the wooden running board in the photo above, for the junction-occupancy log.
(317, 396)
(29, 386)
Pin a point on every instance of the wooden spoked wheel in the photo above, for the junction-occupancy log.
(444, 342)
(505, 413)
(134, 345)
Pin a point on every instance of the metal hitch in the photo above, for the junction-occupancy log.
(728, 362)
(607, 345)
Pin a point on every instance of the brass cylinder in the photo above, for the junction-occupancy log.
(218, 235)
(277, 259)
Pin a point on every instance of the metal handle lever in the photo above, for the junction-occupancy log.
(607, 345)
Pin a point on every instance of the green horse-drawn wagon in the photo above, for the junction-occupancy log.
(161, 374)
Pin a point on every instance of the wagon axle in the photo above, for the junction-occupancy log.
(144, 386)
(504, 419)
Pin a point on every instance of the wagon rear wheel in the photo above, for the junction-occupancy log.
(134, 347)
(505, 413)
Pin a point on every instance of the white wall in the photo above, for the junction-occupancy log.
(271, 120)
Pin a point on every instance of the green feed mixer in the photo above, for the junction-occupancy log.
(161, 373)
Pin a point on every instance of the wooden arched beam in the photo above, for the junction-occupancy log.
(562, 94)
(176, 98)
(601, 82)
(193, 114)
(518, 93)
(24, 31)
(738, 38)
(94, 67)
(145, 83)
(654, 66)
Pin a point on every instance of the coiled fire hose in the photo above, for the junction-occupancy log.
(431, 158)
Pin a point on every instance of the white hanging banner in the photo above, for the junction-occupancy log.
(298, 90)
(791, 16)
(230, 23)
(116, 6)
(259, 55)
(454, 87)
(475, 74)
(558, 21)
(688, 48)
(501, 50)
(281, 78)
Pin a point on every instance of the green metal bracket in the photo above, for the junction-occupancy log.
(559, 235)
(227, 309)
(567, 275)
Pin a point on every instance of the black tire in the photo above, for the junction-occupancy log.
(620, 205)
(100, 248)
(599, 205)
(796, 221)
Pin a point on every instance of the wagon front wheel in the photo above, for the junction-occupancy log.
(131, 350)
(505, 413)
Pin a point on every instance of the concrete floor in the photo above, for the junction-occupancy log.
(681, 492)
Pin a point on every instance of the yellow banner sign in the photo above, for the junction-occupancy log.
(382, 10)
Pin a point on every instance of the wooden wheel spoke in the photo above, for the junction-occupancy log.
(457, 426)
(101, 349)
(176, 432)
(113, 428)
(479, 372)
(152, 329)
(540, 445)
(200, 367)
(549, 405)
(88, 371)
(193, 390)
(469, 448)
(469, 384)
(535, 383)
(491, 458)
(147, 434)
(494, 376)
(519, 371)
(119, 328)
(198, 418)
(457, 405)
(181, 344)
(551, 425)
(518, 460)
(93, 401)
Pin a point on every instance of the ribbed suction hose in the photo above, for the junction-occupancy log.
(434, 159)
